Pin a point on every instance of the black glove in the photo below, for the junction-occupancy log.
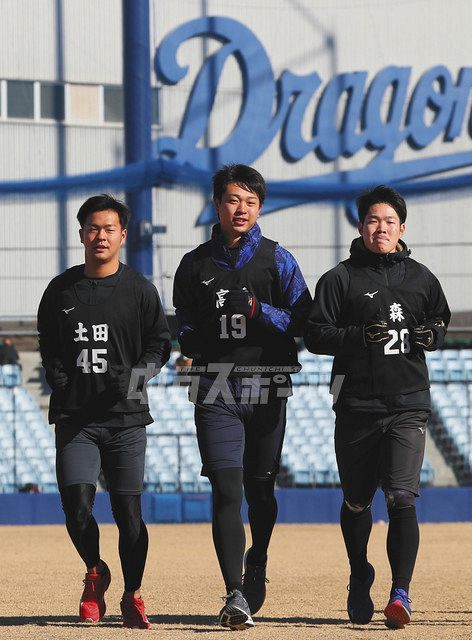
(56, 377)
(426, 336)
(119, 378)
(376, 331)
(241, 302)
(191, 344)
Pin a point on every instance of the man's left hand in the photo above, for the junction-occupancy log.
(425, 335)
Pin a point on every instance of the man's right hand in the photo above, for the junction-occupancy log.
(57, 378)
(376, 331)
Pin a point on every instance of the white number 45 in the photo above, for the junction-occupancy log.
(97, 364)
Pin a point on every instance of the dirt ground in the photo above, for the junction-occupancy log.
(41, 585)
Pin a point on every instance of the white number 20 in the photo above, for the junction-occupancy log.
(237, 326)
(403, 336)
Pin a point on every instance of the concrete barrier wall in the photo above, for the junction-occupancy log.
(295, 506)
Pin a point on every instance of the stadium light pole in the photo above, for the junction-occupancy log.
(137, 122)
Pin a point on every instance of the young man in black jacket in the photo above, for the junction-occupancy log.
(101, 328)
(376, 313)
(239, 299)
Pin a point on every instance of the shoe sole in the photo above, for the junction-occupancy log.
(89, 620)
(365, 620)
(397, 615)
(236, 619)
(136, 626)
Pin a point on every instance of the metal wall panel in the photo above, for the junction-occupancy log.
(304, 37)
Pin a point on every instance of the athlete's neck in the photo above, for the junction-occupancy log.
(102, 269)
(231, 241)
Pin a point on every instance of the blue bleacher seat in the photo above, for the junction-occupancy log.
(168, 481)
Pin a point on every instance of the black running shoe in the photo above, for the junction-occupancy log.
(360, 607)
(254, 584)
(235, 614)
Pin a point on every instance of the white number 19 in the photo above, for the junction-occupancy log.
(238, 326)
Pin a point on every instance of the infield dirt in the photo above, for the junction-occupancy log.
(308, 572)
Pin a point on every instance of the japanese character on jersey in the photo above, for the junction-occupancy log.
(92, 360)
(396, 312)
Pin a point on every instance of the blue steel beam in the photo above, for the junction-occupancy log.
(137, 121)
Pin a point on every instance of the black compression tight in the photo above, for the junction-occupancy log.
(262, 515)
(77, 503)
(356, 527)
(403, 540)
(133, 538)
(227, 525)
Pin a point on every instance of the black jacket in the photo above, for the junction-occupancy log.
(94, 328)
(365, 288)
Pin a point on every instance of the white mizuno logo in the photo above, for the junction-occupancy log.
(371, 295)
(66, 311)
(207, 282)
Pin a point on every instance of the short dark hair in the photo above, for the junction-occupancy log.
(101, 203)
(381, 194)
(242, 175)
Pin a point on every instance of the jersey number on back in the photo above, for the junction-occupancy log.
(236, 329)
(95, 363)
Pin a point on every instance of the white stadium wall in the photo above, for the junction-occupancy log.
(300, 36)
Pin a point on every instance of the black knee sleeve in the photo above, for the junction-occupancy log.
(226, 487)
(259, 490)
(77, 504)
(356, 508)
(399, 499)
(127, 514)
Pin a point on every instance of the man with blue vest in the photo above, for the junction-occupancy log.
(240, 298)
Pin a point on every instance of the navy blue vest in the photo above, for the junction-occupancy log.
(233, 338)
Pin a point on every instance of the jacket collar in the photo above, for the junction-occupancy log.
(248, 245)
(362, 256)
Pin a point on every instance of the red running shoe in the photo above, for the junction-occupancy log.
(132, 610)
(92, 603)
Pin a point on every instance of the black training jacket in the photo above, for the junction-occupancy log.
(93, 328)
(368, 287)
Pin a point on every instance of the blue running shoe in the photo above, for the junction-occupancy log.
(360, 607)
(398, 610)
